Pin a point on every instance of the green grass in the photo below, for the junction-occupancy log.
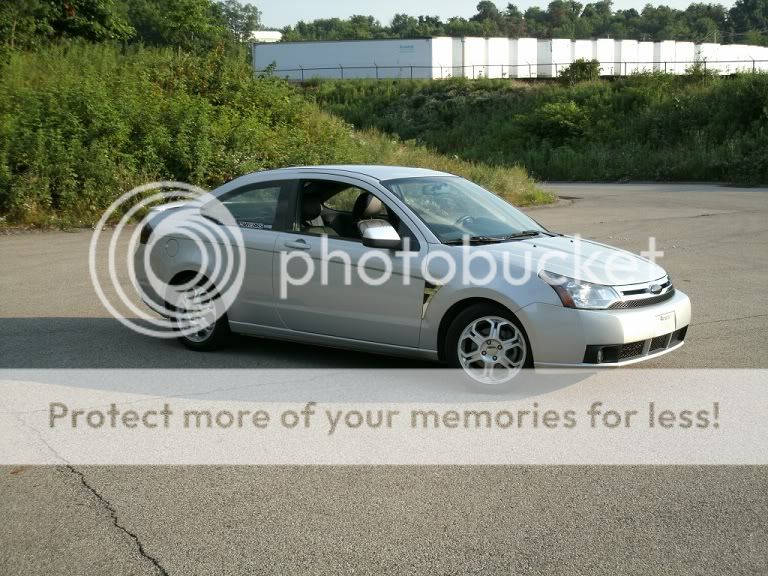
(81, 124)
(645, 127)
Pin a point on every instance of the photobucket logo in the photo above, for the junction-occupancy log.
(513, 264)
(184, 259)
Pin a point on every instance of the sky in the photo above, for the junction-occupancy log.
(279, 13)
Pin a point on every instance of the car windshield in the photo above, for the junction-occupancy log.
(454, 208)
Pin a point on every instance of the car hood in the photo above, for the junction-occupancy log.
(578, 258)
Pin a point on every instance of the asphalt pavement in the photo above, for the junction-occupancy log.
(414, 520)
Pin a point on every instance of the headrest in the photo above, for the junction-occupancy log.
(310, 208)
(366, 206)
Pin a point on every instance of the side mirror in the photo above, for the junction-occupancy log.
(379, 234)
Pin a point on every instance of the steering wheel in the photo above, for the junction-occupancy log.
(464, 221)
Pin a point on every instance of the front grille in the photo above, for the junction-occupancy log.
(658, 343)
(613, 353)
(624, 304)
(631, 350)
(679, 335)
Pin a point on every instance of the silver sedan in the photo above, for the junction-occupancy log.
(401, 261)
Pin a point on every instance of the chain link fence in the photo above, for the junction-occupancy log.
(511, 71)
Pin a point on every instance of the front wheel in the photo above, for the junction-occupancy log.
(488, 343)
(199, 318)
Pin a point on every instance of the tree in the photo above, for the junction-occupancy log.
(626, 24)
(536, 23)
(486, 10)
(599, 16)
(749, 15)
(242, 19)
(195, 25)
(562, 16)
(30, 23)
(750, 18)
(663, 23)
(705, 21)
(94, 20)
(514, 21)
(462, 27)
(404, 25)
(24, 23)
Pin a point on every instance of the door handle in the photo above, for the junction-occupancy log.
(300, 244)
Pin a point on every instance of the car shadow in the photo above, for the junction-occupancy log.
(106, 343)
(78, 352)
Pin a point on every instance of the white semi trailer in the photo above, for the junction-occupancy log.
(685, 55)
(474, 53)
(418, 58)
(664, 56)
(645, 54)
(554, 56)
(626, 57)
(498, 57)
(523, 57)
(605, 53)
(708, 55)
(582, 50)
(475, 57)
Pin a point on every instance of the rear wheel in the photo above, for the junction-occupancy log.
(488, 343)
(200, 319)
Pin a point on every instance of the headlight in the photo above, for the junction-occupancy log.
(579, 294)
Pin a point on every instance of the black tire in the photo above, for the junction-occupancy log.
(219, 338)
(467, 317)
(214, 338)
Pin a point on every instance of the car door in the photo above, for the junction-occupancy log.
(260, 211)
(341, 302)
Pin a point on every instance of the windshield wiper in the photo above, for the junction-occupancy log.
(523, 234)
(490, 239)
(475, 240)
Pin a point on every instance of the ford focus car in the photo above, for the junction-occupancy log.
(401, 261)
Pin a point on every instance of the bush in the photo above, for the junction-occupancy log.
(556, 122)
(580, 71)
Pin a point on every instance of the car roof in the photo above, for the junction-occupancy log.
(377, 172)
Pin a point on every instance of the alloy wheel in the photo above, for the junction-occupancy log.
(492, 350)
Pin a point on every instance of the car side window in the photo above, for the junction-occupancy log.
(344, 201)
(261, 206)
(328, 207)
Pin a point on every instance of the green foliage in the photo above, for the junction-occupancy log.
(645, 127)
(698, 70)
(556, 122)
(26, 24)
(751, 17)
(80, 124)
(191, 25)
(581, 71)
(242, 19)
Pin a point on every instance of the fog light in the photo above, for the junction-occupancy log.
(599, 356)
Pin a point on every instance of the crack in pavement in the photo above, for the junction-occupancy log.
(728, 319)
(115, 522)
(101, 499)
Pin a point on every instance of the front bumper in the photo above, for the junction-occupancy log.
(568, 337)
